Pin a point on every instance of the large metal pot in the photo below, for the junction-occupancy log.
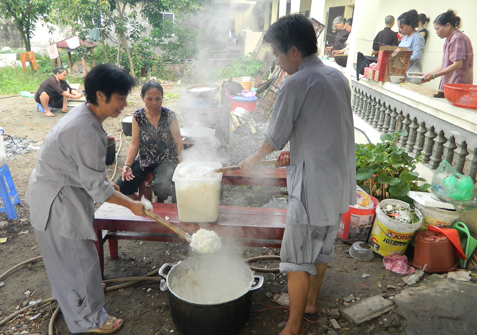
(193, 315)
(126, 122)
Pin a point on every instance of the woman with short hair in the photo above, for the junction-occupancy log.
(70, 175)
(458, 60)
(54, 91)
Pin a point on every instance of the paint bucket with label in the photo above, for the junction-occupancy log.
(391, 237)
(246, 83)
(356, 223)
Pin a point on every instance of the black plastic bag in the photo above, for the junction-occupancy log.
(362, 62)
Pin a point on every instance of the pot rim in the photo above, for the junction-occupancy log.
(253, 278)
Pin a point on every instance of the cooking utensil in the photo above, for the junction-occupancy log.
(148, 210)
(126, 123)
(203, 241)
(236, 167)
(222, 318)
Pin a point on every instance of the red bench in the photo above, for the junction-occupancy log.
(256, 177)
(248, 226)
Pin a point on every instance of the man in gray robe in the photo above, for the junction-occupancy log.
(313, 113)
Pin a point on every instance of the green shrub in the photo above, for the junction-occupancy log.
(386, 171)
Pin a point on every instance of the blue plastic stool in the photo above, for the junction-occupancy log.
(8, 193)
(39, 106)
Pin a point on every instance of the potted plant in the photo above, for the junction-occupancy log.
(386, 171)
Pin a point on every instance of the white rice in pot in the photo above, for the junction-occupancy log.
(213, 282)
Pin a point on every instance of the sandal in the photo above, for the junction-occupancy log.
(282, 299)
(50, 114)
(108, 327)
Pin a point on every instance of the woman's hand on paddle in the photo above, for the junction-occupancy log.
(283, 158)
(137, 208)
(127, 174)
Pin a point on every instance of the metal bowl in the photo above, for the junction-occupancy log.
(361, 251)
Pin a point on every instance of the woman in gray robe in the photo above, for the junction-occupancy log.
(69, 176)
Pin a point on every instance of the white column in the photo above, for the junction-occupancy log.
(274, 11)
(317, 12)
(295, 6)
(362, 32)
(282, 8)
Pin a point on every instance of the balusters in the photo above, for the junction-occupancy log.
(460, 153)
(369, 113)
(355, 99)
(471, 165)
(429, 144)
(387, 120)
(377, 114)
(449, 148)
(392, 127)
(359, 110)
(399, 120)
(382, 117)
(365, 106)
(407, 122)
(412, 135)
(421, 131)
(436, 157)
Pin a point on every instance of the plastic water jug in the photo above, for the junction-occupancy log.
(3, 155)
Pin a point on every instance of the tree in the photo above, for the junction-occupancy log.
(122, 14)
(25, 14)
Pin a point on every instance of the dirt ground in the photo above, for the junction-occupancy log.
(144, 307)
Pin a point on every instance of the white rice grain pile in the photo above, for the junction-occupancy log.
(205, 241)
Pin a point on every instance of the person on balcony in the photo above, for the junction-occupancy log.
(341, 36)
(411, 39)
(313, 106)
(54, 91)
(344, 51)
(385, 37)
(423, 20)
(458, 61)
(156, 146)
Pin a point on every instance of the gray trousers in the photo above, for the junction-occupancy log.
(75, 278)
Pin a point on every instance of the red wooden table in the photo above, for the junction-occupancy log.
(249, 226)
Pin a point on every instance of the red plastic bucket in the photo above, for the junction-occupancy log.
(356, 224)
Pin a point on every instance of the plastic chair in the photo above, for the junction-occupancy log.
(39, 106)
(8, 193)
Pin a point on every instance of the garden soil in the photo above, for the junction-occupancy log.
(143, 306)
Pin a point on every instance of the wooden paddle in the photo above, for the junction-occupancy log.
(236, 167)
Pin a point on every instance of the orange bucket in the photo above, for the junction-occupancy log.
(356, 224)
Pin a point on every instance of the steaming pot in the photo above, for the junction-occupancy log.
(224, 318)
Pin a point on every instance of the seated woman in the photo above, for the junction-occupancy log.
(157, 138)
(54, 91)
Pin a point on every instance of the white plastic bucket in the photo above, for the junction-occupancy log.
(246, 83)
(391, 237)
(198, 194)
(442, 218)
